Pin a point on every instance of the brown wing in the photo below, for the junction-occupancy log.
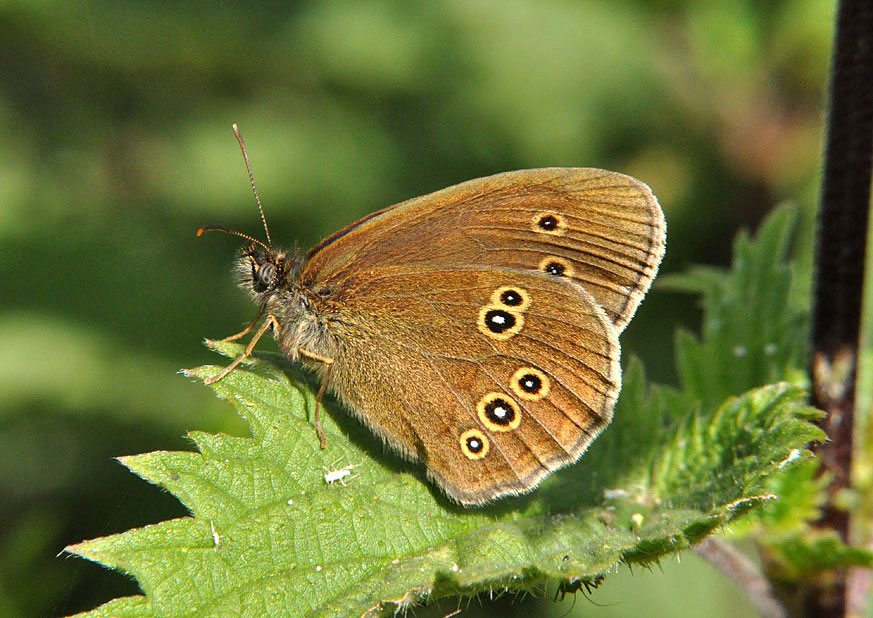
(492, 377)
(601, 229)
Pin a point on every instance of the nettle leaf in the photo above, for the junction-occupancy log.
(793, 549)
(268, 536)
(752, 332)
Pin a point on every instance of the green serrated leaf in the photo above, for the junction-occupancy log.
(268, 536)
(746, 435)
(752, 334)
(803, 556)
(803, 493)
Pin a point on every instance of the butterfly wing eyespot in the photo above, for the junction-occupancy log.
(549, 223)
(512, 297)
(529, 383)
(556, 266)
(474, 444)
(498, 323)
(498, 412)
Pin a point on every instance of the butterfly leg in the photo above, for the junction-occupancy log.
(329, 362)
(248, 328)
(268, 323)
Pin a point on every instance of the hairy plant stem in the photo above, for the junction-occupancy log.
(744, 573)
(840, 258)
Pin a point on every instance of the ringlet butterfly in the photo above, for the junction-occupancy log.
(474, 329)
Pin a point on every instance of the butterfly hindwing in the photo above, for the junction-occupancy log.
(492, 377)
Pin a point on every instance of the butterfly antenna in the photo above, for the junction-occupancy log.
(242, 146)
(227, 230)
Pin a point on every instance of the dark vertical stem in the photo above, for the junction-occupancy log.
(841, 246)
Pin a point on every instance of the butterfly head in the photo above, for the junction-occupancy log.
(264, 273)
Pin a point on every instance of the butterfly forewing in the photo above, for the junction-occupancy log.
(601, 229)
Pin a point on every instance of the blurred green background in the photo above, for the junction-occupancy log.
(115, 146)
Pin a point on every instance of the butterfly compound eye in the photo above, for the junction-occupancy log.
(265, 276)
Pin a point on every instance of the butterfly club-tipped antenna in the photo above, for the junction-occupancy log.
(245, 154)
(207, 228)
(270, 322)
